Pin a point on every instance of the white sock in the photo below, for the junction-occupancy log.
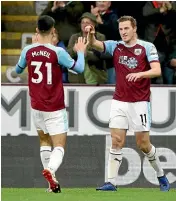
(56, 159)
(114, 162)
(45, 153)
(154, 161)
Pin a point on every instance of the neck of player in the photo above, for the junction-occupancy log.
(132, 42)
(45, 39)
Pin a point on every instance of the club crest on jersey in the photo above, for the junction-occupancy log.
(137, 51)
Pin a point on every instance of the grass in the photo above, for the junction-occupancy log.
(87, 194)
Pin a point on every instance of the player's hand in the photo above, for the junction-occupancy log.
(81, 45)
(91, 34)
(133, 77)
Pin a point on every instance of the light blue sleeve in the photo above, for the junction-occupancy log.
(110, 46)
(21, 65)
(151, 52)
(65, 60)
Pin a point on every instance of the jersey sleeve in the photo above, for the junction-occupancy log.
(109, 46)
(21, 65)
(151, 52)
(65, 60)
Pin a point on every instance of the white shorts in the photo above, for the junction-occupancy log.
(135, 117)
(51, 122)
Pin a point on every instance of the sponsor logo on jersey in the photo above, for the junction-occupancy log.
(131, 62)
(153, 51)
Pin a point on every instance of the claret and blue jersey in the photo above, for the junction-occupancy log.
(44, 63)
(131, 59)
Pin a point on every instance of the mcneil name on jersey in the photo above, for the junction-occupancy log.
(41, 53)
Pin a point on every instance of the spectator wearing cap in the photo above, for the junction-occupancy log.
(95, 66)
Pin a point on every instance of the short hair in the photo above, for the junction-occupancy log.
(128, 18)
(45, 23)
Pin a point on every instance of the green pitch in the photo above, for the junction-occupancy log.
(87, 194)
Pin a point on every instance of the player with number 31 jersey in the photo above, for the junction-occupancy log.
(44, 62)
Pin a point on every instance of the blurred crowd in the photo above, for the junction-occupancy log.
(156, 24)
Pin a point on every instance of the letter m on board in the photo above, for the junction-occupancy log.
(18, 102)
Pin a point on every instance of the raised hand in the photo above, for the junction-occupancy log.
(57, 4)
(94, 10)
(91, 33)
(163, 8)
(168, 5)
(81, 45)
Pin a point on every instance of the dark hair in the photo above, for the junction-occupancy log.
(45, 23)
(128, 18)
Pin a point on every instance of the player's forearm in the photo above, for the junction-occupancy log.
(19, 69)
(98, 45)
(154, 72)
(80, 63)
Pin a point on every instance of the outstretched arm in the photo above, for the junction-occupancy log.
(94, 43)
(101, 46)
(65, 59)
(21, 65)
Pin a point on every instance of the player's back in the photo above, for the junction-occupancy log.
(44, 77)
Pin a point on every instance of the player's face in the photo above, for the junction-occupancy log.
(103, 5)
(55, 39)
(127, 32)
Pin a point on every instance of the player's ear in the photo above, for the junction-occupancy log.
(37, 30)
(53, 31)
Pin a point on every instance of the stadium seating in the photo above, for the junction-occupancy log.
(18, 17)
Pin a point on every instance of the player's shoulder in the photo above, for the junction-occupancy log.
(56, 49)
(111, 42)
(144, 43)
(120, 42)
(28, 47)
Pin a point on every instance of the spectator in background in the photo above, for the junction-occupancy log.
(173, 59)
(60, 43)
(107, 25)
(66, 15)
(173, 63)
(160, 30)
(106, 19)
(95, 68)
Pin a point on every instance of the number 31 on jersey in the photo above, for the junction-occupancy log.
(37, 65)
